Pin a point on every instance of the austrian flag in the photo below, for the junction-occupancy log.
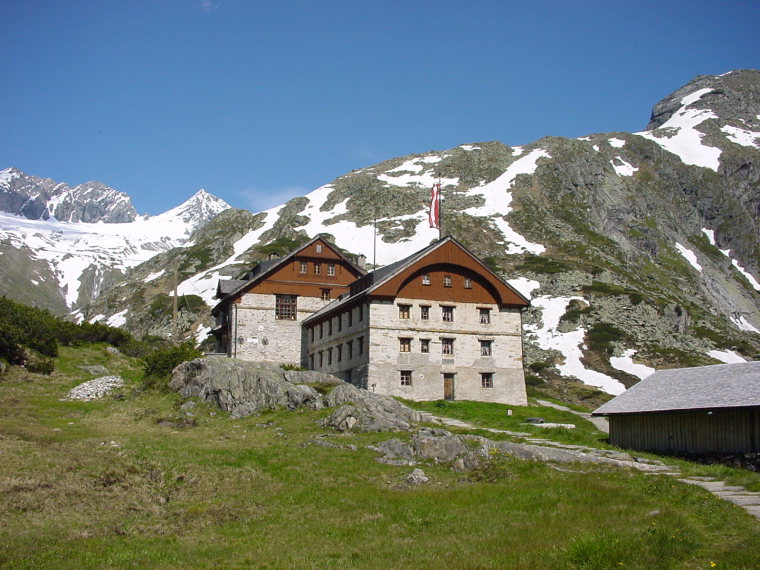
(435, 206)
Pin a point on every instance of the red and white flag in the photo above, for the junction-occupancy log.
(435, 207)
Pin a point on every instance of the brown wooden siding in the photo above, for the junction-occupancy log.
(727, 430)
(449, 258)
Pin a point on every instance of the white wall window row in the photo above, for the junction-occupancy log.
(486, 379)
(447, 314)
(405, 377)
(485, 316)
(447, 346)
(405, 345)
(486, 347)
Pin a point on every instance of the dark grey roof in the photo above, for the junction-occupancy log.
(227, 286)
(718, 386)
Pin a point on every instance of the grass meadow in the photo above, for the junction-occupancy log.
(132, 482)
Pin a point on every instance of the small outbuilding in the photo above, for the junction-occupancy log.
(706, 409)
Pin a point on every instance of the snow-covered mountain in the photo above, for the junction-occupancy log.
(73, 261)
(638, 250)
(43, 199)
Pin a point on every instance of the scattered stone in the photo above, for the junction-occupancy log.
(189, 405)
(97, 388)
(113, 350)
(417, 477)
(440, 447)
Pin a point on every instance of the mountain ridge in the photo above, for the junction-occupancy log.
(639, 250)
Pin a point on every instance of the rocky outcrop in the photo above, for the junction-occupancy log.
(244, 388)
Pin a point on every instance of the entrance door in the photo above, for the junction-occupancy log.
(448, 386)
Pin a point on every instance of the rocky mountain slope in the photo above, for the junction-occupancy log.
(639, 250)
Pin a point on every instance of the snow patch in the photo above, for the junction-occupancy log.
(626, 364)
(742, 137)
(680, 136)
(498, 198)
(689, 256)
(569, 344)
(743, 324)
(154, 276)
(524, 285)
(727, 356)
(117, 320)
(710, 236)
(623, 169)
(617, 143)
(747, 275)
(469, 147)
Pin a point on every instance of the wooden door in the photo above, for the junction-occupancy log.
(448, 386)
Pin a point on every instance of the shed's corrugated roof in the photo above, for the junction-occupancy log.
(718, 386)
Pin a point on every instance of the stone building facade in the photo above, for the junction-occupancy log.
(438, 324)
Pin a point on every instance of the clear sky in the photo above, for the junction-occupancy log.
(260, 101)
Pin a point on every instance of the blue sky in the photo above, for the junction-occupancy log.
(260, 101)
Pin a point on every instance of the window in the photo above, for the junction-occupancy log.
(486, 379)
(339, 348)
(329, 327)
(319, 248)
(361, 313)
(425, 345)
(317, 268)
(405, 345)
(406, 377)
(329, 356)
(304, 267)
(321, 329)
(331, 269)
(447, 346)
(340, 322)
(350, 349)
(311, 332)
(485, 316)
(447, 280)
(403, 311)
(350, 318)
(321, 358)
(426, 279)
(311, 362)
(285, 307)
(467, 283)
(447, 314)
(360, 340)
(325, 294)
(485, 347)
(424, 312)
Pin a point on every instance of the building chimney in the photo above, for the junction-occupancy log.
(361, 261)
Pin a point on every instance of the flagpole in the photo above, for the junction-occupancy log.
(440, 211)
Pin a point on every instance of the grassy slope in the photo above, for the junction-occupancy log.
(255, 493)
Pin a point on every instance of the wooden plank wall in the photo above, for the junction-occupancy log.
(729, 430)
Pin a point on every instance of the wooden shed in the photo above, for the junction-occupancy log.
(707, 409)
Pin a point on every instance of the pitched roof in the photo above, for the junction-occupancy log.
(718, 386)
(372, 281)
(266, 267)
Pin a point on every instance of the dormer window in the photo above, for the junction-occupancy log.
(447, 280)
(426, 279)
(467, 283)
(303, 267)
(319, 248)
(331, 269)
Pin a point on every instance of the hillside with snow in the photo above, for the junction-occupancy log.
(639, 251)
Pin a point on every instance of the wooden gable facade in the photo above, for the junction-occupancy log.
(263, 312)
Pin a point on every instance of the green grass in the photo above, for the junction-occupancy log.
(108, 484)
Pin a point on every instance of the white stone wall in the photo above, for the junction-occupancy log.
(378, 368)
(387, 362)
(256, 335)
(327, 337)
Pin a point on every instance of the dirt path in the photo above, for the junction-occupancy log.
(601, 423)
